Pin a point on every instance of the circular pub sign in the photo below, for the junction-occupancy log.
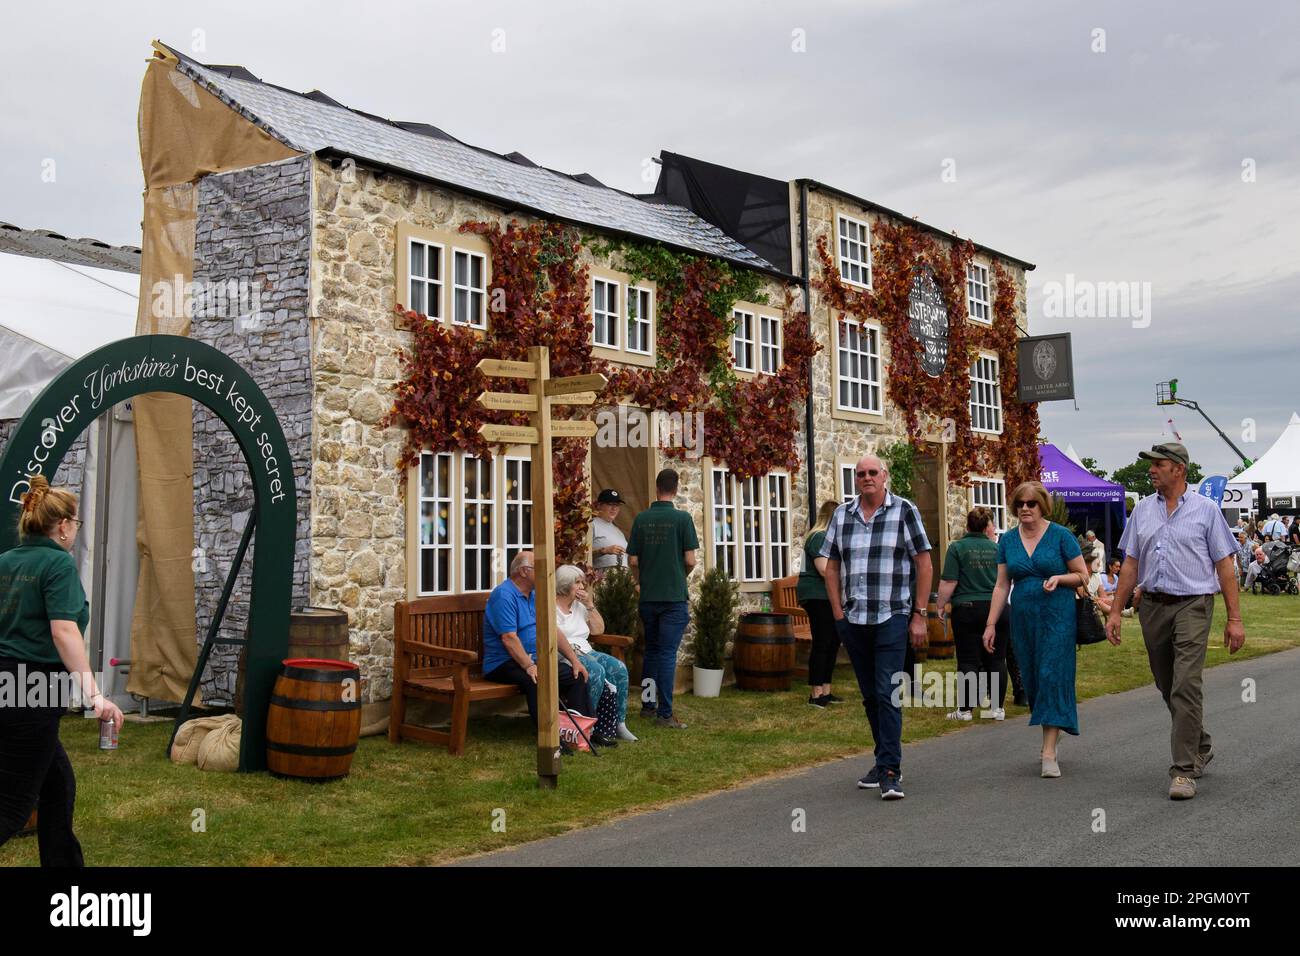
(929, 322)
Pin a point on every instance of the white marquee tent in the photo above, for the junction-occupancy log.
(56, 306)
(1279, 467)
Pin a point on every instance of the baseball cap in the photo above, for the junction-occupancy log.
(609, 497)
(1170, 449)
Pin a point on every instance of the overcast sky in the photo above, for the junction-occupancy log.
(1128, 164)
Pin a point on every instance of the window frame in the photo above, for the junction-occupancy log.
(500, 503)
(448, 243)
(994, 386)
(740, 547)
(849, 413)
(470, 290)
(997, 506)
(841, 219)
(635, 293)
(614, 317)
(737, 312)
(622, 354)
(776, 348)
(987, 285)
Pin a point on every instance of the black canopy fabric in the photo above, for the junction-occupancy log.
(754, 210)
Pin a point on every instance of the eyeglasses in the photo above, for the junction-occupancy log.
(1026, 504)
(77, 521)
(873, 472)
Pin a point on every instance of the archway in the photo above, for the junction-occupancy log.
(182, 366)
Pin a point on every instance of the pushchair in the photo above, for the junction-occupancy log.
(1278, 574)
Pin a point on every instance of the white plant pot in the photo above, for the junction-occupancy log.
(708, 683)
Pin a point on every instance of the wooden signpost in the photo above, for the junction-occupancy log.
(537, 402)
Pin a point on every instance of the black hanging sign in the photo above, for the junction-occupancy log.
(1046, 368)
(929, 322)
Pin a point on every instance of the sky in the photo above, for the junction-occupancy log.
(1154, 144)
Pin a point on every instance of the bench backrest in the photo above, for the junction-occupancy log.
(784, 598)
(451, 620)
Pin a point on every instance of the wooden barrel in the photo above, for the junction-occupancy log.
(317, 633)
(938, 633)
(29, 828)
(763, 655)
(314, 722)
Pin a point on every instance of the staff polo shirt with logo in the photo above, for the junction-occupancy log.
(660, 536)
(38, 584)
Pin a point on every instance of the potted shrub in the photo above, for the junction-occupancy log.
(617, 601)
(714, 613)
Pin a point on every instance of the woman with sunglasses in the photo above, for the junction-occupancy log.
(43, 613)
(1046, 564)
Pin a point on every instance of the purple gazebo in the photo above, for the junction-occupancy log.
(1094, 503)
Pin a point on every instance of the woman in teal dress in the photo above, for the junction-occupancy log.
(1044, 561)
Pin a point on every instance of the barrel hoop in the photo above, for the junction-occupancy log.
(745, 672)
(750, 639)
(321, 676)
(300, 750)
(293, 703)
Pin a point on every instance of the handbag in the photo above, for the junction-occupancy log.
(1089, 627)
(575, 730)
(607, 712)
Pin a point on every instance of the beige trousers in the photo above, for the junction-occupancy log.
(1176, 636)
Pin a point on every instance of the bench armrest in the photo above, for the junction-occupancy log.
(435, 650)
(612, 640)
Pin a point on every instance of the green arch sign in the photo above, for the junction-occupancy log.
(182, 366)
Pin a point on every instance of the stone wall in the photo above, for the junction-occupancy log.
(358, 550)
(72, 470)
(253, 230)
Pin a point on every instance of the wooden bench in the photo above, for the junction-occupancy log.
(438, 655)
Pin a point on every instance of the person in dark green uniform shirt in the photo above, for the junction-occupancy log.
(810, 590)
(970, 570)
(661, 554)
(43, 612)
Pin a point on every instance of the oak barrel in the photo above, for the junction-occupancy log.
(938, 633)
(314, 721)
(763, 654)
(319, 633)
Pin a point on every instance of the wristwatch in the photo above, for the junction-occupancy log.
(920, 611)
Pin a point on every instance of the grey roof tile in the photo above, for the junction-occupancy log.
(46, 244)
(314, 124)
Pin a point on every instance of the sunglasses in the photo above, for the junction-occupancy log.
(873, 472)
(1026, 504)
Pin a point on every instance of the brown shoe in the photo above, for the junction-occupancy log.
(1200, 762)
(1182, 788)
(670, 722)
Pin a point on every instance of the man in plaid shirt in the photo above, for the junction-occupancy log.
(876, 551)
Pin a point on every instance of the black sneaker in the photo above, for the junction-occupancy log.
(600, 740)
(891, 786)
(819, 701)
(832, 699)
(872, 780)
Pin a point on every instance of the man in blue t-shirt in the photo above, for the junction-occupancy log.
(510, 641)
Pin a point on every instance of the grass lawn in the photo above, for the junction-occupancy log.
(414, 804)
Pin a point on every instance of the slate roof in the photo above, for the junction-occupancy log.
(314, 123)
(46, 244)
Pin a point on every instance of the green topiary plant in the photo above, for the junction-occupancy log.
(900, 458)
(714, 613)
(1061, 514)
(616, 599)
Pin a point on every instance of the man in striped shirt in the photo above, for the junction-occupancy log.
(877, 554)
(1179, 550)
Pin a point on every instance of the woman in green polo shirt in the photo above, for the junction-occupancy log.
(810, 591)
(43, 612)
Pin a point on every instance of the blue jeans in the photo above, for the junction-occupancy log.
(664, 623)
(878, 652)
(605, 667)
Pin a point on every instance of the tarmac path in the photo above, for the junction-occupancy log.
(975, 797)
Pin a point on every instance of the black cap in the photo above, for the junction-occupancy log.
(609, 497)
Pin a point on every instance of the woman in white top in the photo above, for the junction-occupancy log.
(608, 543)
(577, 617)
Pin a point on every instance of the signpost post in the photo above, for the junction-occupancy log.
(544, 392)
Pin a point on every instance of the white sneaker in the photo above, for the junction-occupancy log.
(961, 715)
(1127, 612)
(624, 733)
(999, 713)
